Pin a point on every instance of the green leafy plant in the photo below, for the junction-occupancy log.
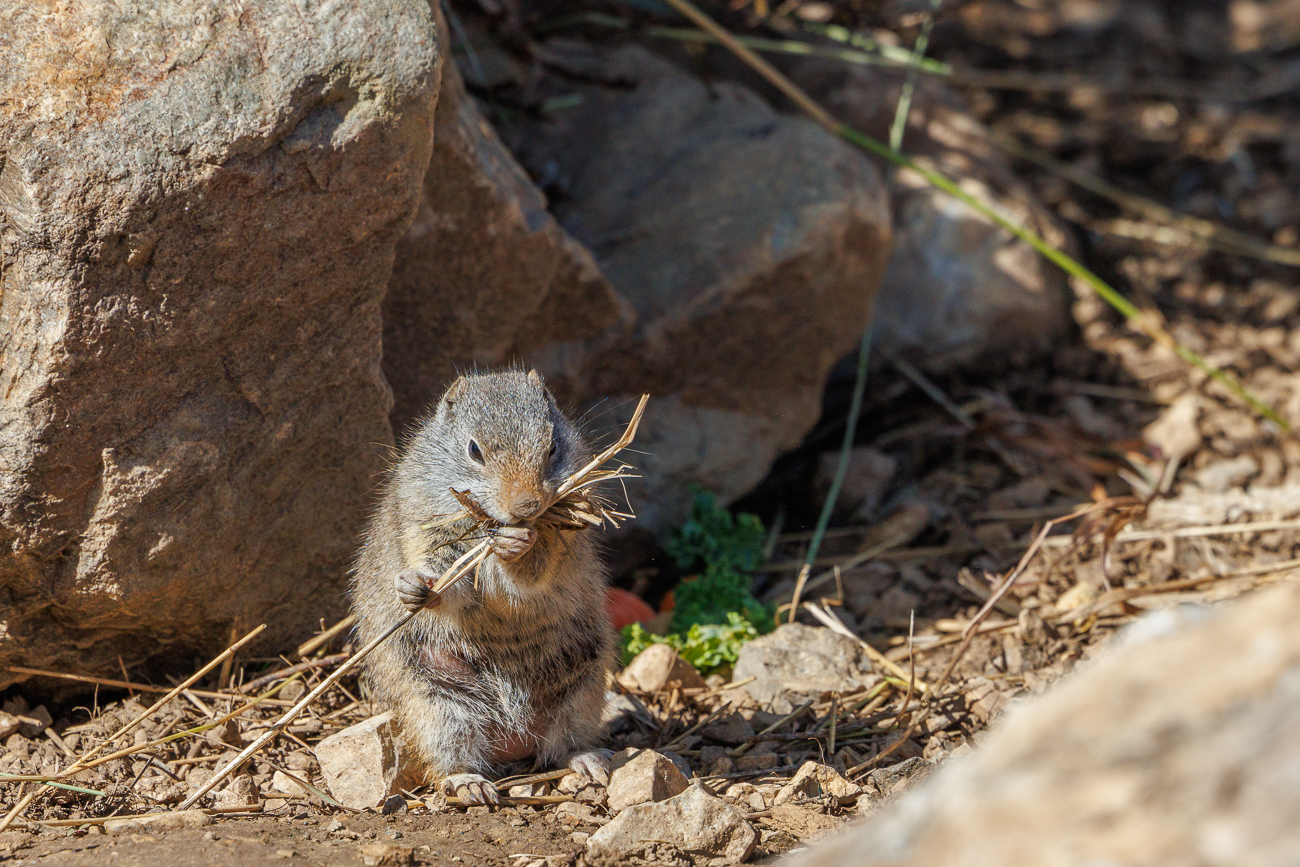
(715, 611)
(707, 646)
(724, 550)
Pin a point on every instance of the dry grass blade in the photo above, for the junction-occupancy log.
(577, 479)
(293, 712)
(26, 801)
(311, 645)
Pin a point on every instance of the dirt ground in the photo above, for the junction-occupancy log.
(1181, 103)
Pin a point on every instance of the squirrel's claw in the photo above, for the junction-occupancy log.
(415, 588)
(511, 543)
(471, 789)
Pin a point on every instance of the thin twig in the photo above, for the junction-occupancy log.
(293, 712)
(26, 801)
(323, 662)
(311, 645)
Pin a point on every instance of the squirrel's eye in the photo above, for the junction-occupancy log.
(475, 453)
(555, 449)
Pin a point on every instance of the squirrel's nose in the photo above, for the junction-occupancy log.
(525, 506)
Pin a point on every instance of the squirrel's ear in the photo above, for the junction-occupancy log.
(535, 377)
(453, 394)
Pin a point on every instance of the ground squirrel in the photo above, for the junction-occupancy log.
(511, 665)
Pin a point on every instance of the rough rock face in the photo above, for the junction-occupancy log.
(198, 211)
(1179, 746)
(797, 662)
(748, 243)
(957, 288)
(485, 275)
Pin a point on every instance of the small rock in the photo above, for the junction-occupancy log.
(394, 805)
(814, 780)
(574, 813)
(8, 724)
(656, 667)
(12, 840)
(365, 763)
(386, 855)
(282, 782)
(35, 722)
(694, 825)
(757, 760)
(733, 729)
(293, 690)
(714, 761)
(892, 780)
(746, 796)
(796, 663)
(641, 776)
(530, 790)
(681, 763)
(241, 791)
(335, 825)
(583, 789)
(158, 822)
(580, 837)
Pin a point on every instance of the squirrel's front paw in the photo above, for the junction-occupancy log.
(415, 588)
(471, 789)
(511, 543)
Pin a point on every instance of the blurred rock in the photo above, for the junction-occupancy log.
(1179, 745)
(365, 763)
(196, 239)
(282, 782)
(958, 289)
(154, 822)
(241, 791)
(1228, 473)
(385, 854)
(693, 828)
(485, 275)
(796, 663)
(655, 667)
(868, 474)
(744, 293)
(641, 777)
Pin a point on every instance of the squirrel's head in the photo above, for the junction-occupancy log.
(501, 438)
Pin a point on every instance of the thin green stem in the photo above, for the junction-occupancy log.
(1066, 264)
(846, 448)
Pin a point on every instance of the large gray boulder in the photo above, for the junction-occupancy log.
(198, 211)
(749, 245)
(958, 290)
(485, 276)
(1180, 746)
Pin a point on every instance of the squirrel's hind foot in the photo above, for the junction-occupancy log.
(593, 764)
(471, 789)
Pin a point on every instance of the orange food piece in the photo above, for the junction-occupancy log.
(625, 608)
